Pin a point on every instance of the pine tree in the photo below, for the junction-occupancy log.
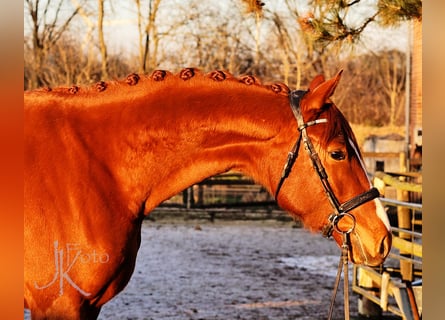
(330, 21)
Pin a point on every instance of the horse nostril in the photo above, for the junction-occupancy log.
(385, 246)
(382, 248)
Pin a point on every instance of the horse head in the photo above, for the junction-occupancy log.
(345, 203)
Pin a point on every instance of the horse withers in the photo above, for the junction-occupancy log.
(99, 159)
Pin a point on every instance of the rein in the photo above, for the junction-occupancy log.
(340, 209)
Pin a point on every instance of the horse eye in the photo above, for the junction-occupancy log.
(338, 155)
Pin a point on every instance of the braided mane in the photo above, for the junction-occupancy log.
(157, 76)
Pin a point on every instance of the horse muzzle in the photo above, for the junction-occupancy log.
(369, 252)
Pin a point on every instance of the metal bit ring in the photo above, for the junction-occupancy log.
(337, 219)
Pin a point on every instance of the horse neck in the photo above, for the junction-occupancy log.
(165, 142)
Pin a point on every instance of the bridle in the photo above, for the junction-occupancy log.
(341, 210)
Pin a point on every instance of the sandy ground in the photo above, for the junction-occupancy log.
(250, 270)
(230, 270)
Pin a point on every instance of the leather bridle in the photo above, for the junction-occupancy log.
(340, 209)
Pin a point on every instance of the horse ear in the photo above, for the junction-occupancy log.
(320, 91)
(316, 82)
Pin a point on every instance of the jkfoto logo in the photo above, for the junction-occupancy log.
(65, 259)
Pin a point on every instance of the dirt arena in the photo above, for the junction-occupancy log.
(229, 270)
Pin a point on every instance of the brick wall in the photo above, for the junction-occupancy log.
(416, 84)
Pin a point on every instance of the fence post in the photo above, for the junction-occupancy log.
(367, 307)
(188, 199)
(404, 222)
(200, 195)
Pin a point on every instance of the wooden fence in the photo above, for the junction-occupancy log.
(396, 286)
(224, 190)
(225, 197)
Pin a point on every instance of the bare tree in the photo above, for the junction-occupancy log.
(301, 58)
(393, 74)
(374, 90)
(148, 36)
(87, 44)
(102, 45)
(256, 8)
(291, 51)
(212, 40)
(48, 22)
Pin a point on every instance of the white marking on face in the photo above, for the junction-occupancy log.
(381, 213)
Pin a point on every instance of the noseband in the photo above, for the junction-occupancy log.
(340, 209)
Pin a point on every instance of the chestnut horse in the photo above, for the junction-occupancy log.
(98, 159)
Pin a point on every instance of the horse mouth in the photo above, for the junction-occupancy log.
(372, 256)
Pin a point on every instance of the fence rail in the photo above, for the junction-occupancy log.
(396, 286)
(228, 190)
(224, 197)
